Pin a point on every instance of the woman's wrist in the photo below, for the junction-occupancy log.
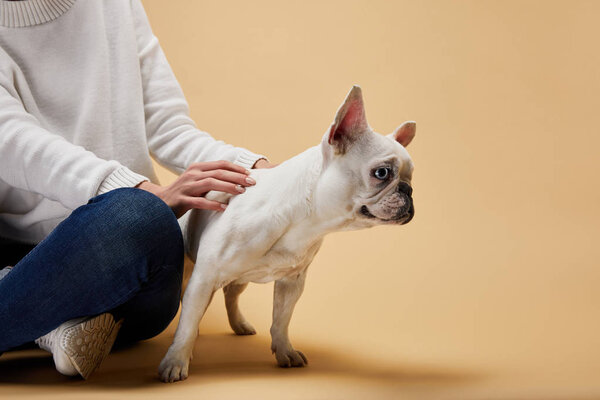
(150, 187)
(263, 163)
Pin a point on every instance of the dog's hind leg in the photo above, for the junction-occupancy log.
(236, 320)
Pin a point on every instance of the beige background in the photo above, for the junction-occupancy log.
(492, 291)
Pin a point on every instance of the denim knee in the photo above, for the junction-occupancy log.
(141, 213)
(142, 224)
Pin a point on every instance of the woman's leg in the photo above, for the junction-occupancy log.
(122, 252)
(151, 310)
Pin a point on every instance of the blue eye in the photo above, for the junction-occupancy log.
(382, 173)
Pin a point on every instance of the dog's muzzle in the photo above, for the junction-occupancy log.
(406, 213)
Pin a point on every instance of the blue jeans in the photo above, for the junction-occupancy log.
(120, 253)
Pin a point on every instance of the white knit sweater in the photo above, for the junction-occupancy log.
(86, 96)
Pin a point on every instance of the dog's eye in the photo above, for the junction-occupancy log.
(382, 173)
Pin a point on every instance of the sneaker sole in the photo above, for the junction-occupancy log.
(87, 344)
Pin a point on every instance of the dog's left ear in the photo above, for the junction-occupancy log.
(350, 121)
(405, 133)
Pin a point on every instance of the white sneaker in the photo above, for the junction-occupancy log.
(4, 271)
(80, 345)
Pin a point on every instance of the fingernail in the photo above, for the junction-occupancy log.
(240, 188)
(250, 181)
(247, 172)
(223, 206)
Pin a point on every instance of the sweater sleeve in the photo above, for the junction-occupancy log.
(36, 160)
(173, 138)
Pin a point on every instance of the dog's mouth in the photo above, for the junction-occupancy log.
(394, 206)
(409, 215)
(365, 211)
(403, 216)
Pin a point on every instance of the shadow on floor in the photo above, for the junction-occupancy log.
(219, 356)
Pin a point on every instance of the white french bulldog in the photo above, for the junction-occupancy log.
(354, 179)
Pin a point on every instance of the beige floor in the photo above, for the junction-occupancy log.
(230, 367)
(492, 292)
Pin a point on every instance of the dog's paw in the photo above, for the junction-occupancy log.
(288, 357)
(243, 328)
(173, 369)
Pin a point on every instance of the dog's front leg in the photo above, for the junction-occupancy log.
(197, 297)
(287, 292)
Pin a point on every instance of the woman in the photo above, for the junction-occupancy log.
(86, 96)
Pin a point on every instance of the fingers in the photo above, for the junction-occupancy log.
(206, 185)
(198, 189)
(201, 178)
(221, 164)
(228, 176)
(221, 170)
(204, 204)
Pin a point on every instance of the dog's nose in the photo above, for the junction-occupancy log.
(405, 188)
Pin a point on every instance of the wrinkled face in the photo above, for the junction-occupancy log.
(376, 170)
(387, 194)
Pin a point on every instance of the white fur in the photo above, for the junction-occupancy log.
(273, 230)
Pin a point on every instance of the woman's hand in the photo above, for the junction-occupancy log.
(190, 187)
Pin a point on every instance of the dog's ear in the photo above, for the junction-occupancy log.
(350, 121)
(405, 133)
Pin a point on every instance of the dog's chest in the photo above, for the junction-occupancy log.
(283, 259)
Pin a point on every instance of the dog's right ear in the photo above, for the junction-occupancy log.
(405, 133)
(349, 123)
